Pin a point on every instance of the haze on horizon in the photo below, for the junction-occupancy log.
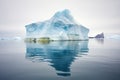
(97, 15)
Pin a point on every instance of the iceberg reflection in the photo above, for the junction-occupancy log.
(100, 40)
(60, 54)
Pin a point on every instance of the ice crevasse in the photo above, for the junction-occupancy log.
(61, 26)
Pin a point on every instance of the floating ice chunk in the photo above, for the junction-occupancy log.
(17, 38)
(113, 36)
(10, 38)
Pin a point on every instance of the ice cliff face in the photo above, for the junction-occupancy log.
(60, 27)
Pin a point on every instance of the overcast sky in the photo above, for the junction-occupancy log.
(97, 15)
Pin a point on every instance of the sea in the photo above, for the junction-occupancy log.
(95, 59)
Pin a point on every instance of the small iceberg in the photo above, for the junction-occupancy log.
(101, 35)
(113, 36)
(10, 38)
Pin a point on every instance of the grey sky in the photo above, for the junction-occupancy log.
(97, 15)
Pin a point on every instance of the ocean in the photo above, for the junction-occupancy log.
(95, 59)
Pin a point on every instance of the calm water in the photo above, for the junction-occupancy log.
(67, 60)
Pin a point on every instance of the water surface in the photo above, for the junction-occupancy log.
(96, 59)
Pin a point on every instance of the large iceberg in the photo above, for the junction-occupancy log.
(61, 26)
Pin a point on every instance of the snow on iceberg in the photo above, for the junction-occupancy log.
(60, 27)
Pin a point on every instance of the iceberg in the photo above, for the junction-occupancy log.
(61, 26)
(101, 35)
(11, 38)
(113, 36)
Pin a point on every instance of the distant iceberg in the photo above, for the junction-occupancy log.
(101, 35)
(113, 36)
(61, 26)
(11, 38)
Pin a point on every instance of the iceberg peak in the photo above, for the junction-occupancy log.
(65, 15)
